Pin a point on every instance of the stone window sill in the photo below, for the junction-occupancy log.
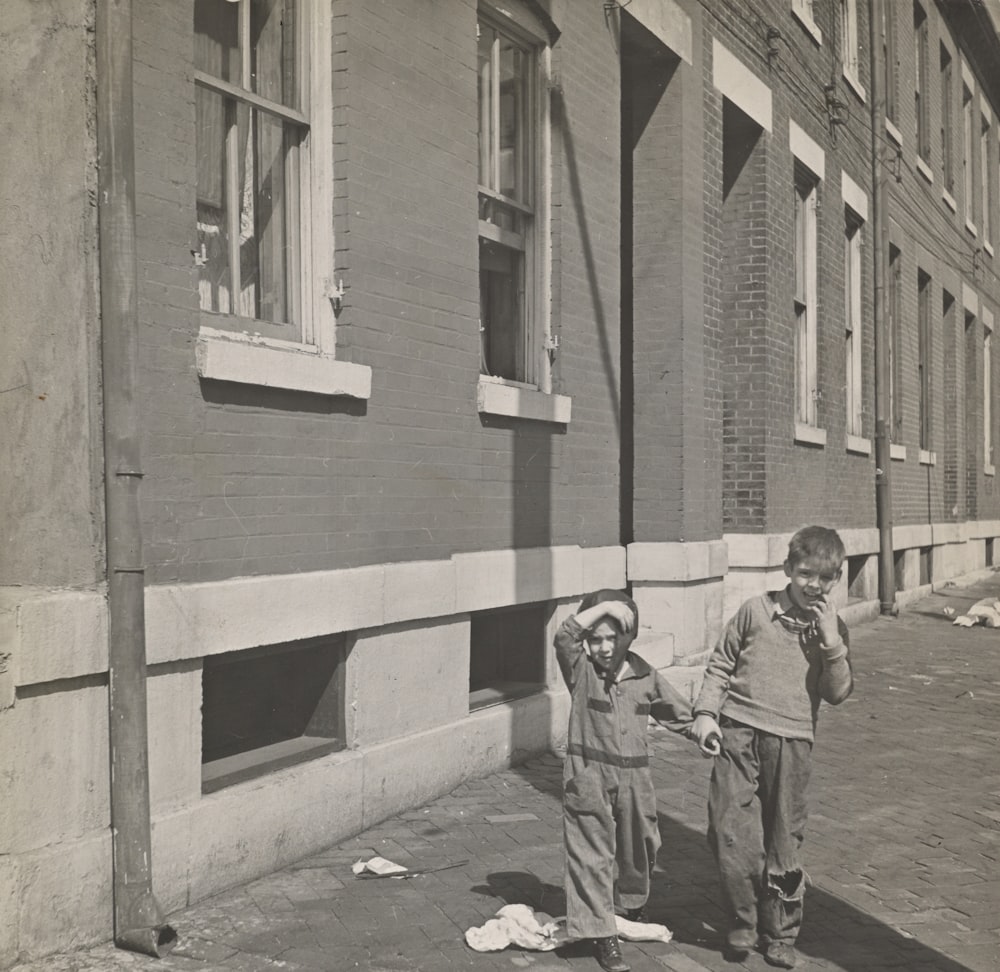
(271, 363)
(498, 397)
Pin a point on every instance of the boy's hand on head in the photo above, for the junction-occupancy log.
(621, 613)
(706, 733)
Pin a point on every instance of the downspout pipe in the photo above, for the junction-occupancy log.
(880, 234)
(137, 923)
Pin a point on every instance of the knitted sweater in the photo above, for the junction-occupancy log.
(767, 676)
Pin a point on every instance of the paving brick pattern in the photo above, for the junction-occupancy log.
(902, 845)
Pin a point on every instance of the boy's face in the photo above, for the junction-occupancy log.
(602, 642)
(810, 581)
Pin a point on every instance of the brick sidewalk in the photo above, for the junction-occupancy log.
(902, 845)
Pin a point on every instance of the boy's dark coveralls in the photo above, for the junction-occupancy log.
(763, 684)
(609, 803)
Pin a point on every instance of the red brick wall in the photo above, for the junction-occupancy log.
(243, 480)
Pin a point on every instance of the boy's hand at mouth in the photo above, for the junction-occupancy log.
(826, 620)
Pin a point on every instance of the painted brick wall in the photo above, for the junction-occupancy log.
(243, 480)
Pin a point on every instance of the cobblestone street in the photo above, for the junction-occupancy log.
(902, 845)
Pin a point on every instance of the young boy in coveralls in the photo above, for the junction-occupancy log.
(781, 654)
(609, 803)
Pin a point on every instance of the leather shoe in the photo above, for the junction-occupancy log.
(781, 954)
(608, 952)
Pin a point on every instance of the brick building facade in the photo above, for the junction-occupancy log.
(386, 446)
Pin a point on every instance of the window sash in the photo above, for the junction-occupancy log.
(947, 124)
(920, 78)
(849, 36)
(987, 397)
(924, 357)
(852, 309)
(252, 165)
(804, 303)
(967, 151)
(984, 178)
(895, 408)
(508, 117)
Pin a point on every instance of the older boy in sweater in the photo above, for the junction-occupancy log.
(782, 653)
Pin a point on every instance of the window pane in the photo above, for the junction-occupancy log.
(217, 39)
(268, 197)
(513, 90)
(273, 54)
(486, 39)
(214, 282)
(500, 307)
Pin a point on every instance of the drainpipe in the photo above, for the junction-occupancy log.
(138, 926)
(880, 234)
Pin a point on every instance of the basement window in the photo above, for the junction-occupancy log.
(271, 707)
(506, 654)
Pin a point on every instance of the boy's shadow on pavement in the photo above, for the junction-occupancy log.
(834, 933)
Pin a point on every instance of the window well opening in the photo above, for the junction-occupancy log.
(506, 654)
(270, 707)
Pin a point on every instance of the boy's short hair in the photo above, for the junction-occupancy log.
(818, 542)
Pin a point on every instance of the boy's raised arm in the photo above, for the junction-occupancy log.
(836, 680)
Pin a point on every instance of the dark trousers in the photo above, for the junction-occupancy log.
(612, 836)
(757, 814)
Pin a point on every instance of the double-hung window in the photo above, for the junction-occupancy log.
(264, 246)
(921, 108)
(985, 169)
(947, 124)
(513, 58)
(893, 342)
(806, 389)
(989, 435)
(849, 38)
(508, 214)
(967, 133)
(252, 138)
(924, 357)
(852, 320)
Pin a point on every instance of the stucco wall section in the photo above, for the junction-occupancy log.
(50, 524)
(406, 678)
(55, 768)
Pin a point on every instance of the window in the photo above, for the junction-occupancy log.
(967, 153)
(506, 654)
(849, 37)
(265, 708)
(924, 356)
(920, 99)
(947, 123)
(988, 437)
(803, 11)
(986, 196)
(895, 398)
(251, 142)
(889, 61)
(264, 249)
(509, 303)
(852, 319)
(806, 391)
